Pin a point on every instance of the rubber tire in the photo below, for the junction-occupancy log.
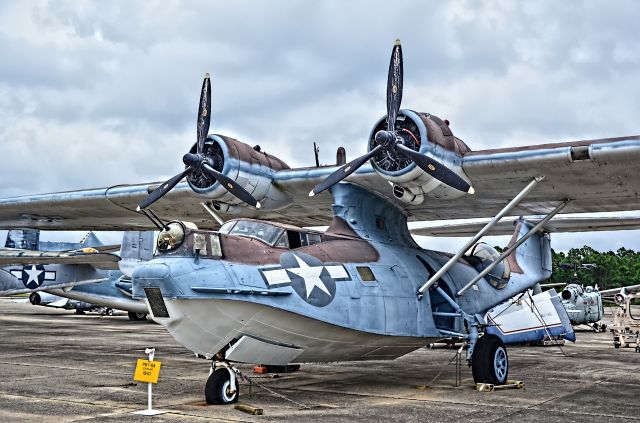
(216, 384)
(137, 316)
(483, 360)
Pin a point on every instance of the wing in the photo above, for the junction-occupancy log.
(506, 225)
(596, 175)
(11, 257)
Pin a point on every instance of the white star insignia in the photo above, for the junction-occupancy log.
(33, 274)
(310, 275)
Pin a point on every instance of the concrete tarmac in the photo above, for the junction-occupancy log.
(59, 367)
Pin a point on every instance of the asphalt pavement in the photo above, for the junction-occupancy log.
(59, 367)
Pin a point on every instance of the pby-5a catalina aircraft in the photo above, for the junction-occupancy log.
(266, 291)
(83, 278)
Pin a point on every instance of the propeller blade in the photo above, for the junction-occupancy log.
(394, 86)
(231, 186)
(344, 171)
(159, 192)
(436, 169)
(204, 113)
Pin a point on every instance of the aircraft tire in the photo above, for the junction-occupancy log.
(137, 316)
(489, 362)
(216, 391)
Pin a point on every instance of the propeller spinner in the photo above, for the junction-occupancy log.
(389, 141)
(200, 161)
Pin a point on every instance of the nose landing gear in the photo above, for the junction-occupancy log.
(222, 385)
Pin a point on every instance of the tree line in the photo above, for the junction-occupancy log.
(613, 269)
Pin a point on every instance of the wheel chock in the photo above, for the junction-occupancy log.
(260, 370)
(249, 409)
(490, 387)
(289, 368)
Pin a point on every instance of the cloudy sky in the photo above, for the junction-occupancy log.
(99, 93)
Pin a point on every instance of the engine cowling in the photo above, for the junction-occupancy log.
(247, 166)
(428, 135)
(42, 298)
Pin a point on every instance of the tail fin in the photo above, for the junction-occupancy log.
(530, 263)
(26, 239)
(136, 247)
(90, 240)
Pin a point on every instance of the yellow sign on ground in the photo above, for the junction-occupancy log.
(147, 371)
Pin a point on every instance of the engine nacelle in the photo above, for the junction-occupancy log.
(42, 298)
(248, 166)
(429, 135)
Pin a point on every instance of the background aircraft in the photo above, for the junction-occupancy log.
(82, 278)
(270, 292)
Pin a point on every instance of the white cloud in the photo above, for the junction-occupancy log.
(97, 93)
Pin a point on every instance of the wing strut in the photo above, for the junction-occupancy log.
(511, 249)
(513, 203)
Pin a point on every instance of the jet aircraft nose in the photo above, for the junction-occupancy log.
(151, 271)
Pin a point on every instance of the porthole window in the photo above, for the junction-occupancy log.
(365, 274)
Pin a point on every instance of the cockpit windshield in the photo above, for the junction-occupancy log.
(259, 230)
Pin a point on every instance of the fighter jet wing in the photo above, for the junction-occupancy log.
(596, 175)
(11, 256)
(559, 223)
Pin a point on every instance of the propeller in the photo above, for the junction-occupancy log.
(200, 161)
(388, 140)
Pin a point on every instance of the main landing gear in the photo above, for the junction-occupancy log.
(137, 316)
(222, 385)
(489, 361)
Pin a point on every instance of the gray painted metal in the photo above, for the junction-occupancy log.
(506, 253)
(513, 203)
(249, 349)
(606, 181)
(560, 223)
(213, 302)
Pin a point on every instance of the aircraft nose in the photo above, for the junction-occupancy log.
(151, 271)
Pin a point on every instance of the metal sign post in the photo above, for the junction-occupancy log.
(148, 371)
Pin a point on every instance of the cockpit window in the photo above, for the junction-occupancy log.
(259, 230)
(283, 241)
(226, 227)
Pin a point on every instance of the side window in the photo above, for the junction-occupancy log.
(313, 239)
(294, 239)
(283, 241)
(365, 274)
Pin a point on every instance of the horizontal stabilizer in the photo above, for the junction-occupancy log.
(609, 293)
(559, 223)
(13, 257)
(530, 319)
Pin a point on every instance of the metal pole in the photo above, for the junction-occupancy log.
(151, 352)
(213, 214)
(511, 249)
(516, 200)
